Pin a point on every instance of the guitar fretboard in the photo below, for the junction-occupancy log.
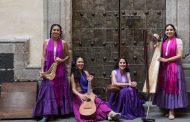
(89, 87)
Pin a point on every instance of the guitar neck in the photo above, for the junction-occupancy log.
(89, 87)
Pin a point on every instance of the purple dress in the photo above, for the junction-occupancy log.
(171, 89)
(54, 97)
(126, 101)
(102, 109)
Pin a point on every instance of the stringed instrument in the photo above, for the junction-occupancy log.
(88, 107)
(154, 69)
(50, 74)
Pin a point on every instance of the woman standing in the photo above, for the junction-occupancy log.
(54, 97)
(171, 89)
(126, 101)
(80, 80)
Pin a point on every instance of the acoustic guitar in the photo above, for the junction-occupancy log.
(88, 107)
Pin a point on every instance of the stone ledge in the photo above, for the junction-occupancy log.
(15, 39)
(32, 66)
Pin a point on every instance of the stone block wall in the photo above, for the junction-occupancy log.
(14, 58)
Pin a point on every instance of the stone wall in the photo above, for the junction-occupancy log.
(23, 18)
(15, 60)
(21, 40)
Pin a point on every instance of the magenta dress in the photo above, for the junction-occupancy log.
(102, 109)
(127, 101)
(171, 89)
(54, 96)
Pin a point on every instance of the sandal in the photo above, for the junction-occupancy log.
(43, 120)
(171, 115)
(114, 116)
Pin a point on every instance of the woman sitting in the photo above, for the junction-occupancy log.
(79, 81)
(126, 101)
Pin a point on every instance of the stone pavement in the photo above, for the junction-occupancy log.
(157, 116)
(154, 113)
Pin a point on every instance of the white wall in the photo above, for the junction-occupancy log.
(24, 19)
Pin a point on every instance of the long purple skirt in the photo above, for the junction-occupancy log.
(102, 110)
(48, 104)
(172, 101)
(128, 103)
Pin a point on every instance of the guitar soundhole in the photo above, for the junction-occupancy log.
(88, 100)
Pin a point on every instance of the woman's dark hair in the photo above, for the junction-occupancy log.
(165, 36)
(117, 64)
(61, 35)
(74, 69)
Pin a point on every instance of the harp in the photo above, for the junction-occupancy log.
(153, 69)
(151, 72)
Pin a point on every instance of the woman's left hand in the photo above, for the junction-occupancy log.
(162, 59)
(90, 77)
(58, 60)
(133, 84)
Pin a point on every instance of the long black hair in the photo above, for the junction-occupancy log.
(165, 36)
(61, 34)
(74, 70)
(117, 65)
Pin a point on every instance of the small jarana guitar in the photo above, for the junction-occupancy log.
(88, 107)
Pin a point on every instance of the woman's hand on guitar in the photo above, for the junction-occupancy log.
(41, 74)
(90, 77)
(83, 97)
(58, 60)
